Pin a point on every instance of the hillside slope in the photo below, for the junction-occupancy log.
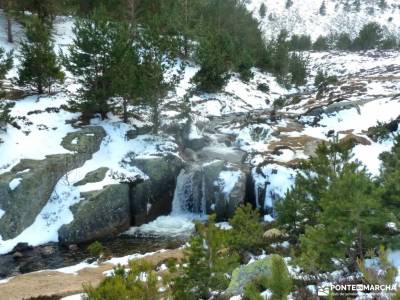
(304, 16)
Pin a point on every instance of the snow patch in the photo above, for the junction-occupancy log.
(227, 181)
(14, 183)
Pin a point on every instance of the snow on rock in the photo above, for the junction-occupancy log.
(112, 154)
(239, 97)
(194, 133)
(14, 183)
(54, 214)
(358, 118)
(268, 218)
(41, 131)
(227, 181)
(224, 225)
(271, 182)
(167, 226)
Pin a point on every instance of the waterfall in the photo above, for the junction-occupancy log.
(189, 203)
(190, 194)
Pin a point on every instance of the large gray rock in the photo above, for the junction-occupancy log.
(243, 275)
(102, 214)
(153, 197)
(93, 176)
(37, 178)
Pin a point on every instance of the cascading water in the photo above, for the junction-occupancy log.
(189, 203)
(189, 196)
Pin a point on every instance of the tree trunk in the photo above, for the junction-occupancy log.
(155, 117)
(186, 40)
(360, 245)
(9, 30)
(125, 108)
(132, 10)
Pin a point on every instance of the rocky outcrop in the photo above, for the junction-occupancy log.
(153, 197)
(102, 214)
(351, 140)
(93, 176)
(243, 275)
(25, 190)
(112, 210)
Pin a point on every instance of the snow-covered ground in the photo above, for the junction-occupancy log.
(304, 16)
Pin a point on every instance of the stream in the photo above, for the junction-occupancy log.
(25, 259)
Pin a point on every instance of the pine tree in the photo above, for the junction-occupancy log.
(350, 202)
(303, 201)
(382, 4)
(298, 69)
(280, 57)
(124, 72)
(6, 63)
(321, 44)
(157, 59)
(279, 281)
(344, 42)
(208, 261)
(322, 9)
(370, 37)
(39, 68)
(212, 58)
(247, 230)
(45, 10)
(263, 10)
(140, 282)
(5, 117)
(390, 178)
(89, 60)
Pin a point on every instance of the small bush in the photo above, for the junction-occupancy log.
(295, 100)
(263, 87)
(321, 44)
(379, 132)
(96, 249)
(279, 103)
(322, 79)
(263, 10)
(139, 283)
(322, 9)
(389, 43)
(171, 264)
(300, 43)
(246, 233)
(5, 110)
(252, 291)
(344, 42)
